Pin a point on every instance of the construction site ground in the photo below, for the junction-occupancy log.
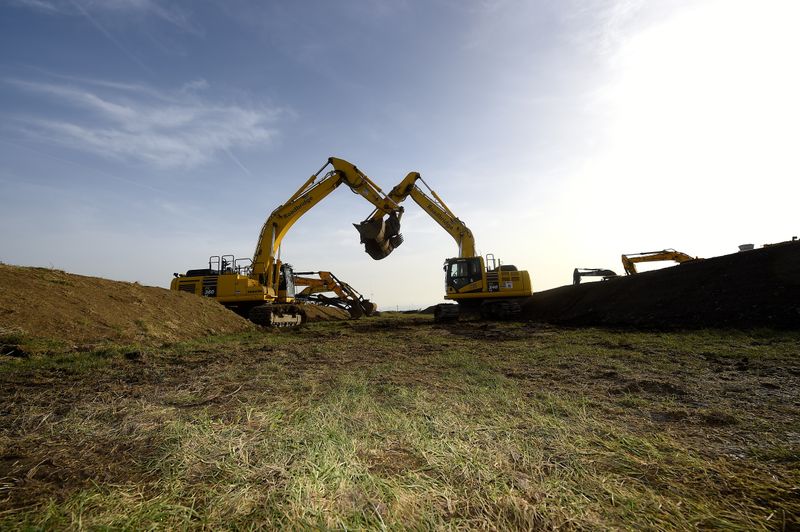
(399, 422)
(52, 309)
(127, 406)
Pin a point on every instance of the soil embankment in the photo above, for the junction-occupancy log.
(323, 313)
(51, 304)
(747, 289)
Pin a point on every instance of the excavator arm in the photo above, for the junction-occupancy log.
(485, 286)
(630, 260)
(382, 240)
(348, 298)
(431, 204)
(579, 273)
(315, 285)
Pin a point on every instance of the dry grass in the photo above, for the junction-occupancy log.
(396, 422)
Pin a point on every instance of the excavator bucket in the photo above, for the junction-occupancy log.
(368, 307)
(380, 236)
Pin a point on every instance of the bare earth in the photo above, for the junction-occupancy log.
(76, 310)
(398, 422)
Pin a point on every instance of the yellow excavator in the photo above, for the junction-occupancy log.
(579, 273)
(475, 283)
(262, 288)
(347, 298)
(630, 260)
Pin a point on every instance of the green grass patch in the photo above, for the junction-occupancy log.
(399, 423)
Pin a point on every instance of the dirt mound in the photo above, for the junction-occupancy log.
(51, 304)
(323, 313)
(746, 289)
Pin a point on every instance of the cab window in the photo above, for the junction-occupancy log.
(464, 272)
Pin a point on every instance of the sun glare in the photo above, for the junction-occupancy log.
(702, 118)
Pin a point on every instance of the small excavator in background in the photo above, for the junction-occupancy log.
(262, 288)
(630, 260)
(347, 297)
(475, 283)
(579, 273)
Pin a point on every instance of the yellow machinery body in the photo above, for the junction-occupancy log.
(474, 282)
(469, 278)
(630, 260)
(235, 288)
(316, 284)
(262, 288)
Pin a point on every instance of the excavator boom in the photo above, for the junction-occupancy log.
(630, 260)
(579, 273)
(488, 286)
(381, 241)
(263, 289)
(434, 206)
(347, 297)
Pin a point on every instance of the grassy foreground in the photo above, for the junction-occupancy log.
(397, 422)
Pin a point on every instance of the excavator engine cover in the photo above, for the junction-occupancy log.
(380, 236)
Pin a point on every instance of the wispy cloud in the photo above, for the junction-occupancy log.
(41, 5)
(195, 85)
(155, 8)
(105, 15)
(102, 29)
(117, 86)
(600, 27)
(162, 128)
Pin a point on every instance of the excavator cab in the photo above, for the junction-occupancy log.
(461, 272)
(286, 289)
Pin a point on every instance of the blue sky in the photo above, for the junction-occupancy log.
(137, 137)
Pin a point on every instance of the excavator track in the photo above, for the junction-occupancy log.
(446, 312)
(276, 315)
(504, 309)
(260, 288)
